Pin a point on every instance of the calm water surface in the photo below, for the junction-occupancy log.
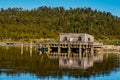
(18, 63)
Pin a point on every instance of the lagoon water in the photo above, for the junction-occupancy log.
(26, 64)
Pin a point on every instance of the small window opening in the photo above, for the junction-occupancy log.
(79, 38)
(88, 39)
(65, 38)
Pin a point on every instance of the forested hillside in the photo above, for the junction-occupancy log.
(46, 22)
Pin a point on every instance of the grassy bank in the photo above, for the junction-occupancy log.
(111, 42)
(36, 41)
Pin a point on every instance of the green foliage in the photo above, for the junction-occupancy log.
(111, 42)
(46, 22)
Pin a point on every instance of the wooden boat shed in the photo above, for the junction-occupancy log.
(74, 44)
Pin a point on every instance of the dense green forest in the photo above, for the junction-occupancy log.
(47, 22)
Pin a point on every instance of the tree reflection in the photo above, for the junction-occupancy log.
(12, 62)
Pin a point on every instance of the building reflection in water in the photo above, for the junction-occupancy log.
(80, 63)
(13, 63)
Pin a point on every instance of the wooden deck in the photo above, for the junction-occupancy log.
(73, 49)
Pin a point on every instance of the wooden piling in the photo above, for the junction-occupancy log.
(31, 49)
(69, 50)
(80, 50)
(92, 51)
(22, 49)
(59, 49)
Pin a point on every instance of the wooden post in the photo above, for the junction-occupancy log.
(48, 49)
(35, 48)
(80, 50)
(59, 49)
(22, 49)
(92, 50)
(69, 50)
(26, 48)
(31, 49)
(86, 52)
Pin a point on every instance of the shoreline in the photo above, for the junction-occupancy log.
(105, 48)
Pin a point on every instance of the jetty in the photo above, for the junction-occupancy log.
(74, 45)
